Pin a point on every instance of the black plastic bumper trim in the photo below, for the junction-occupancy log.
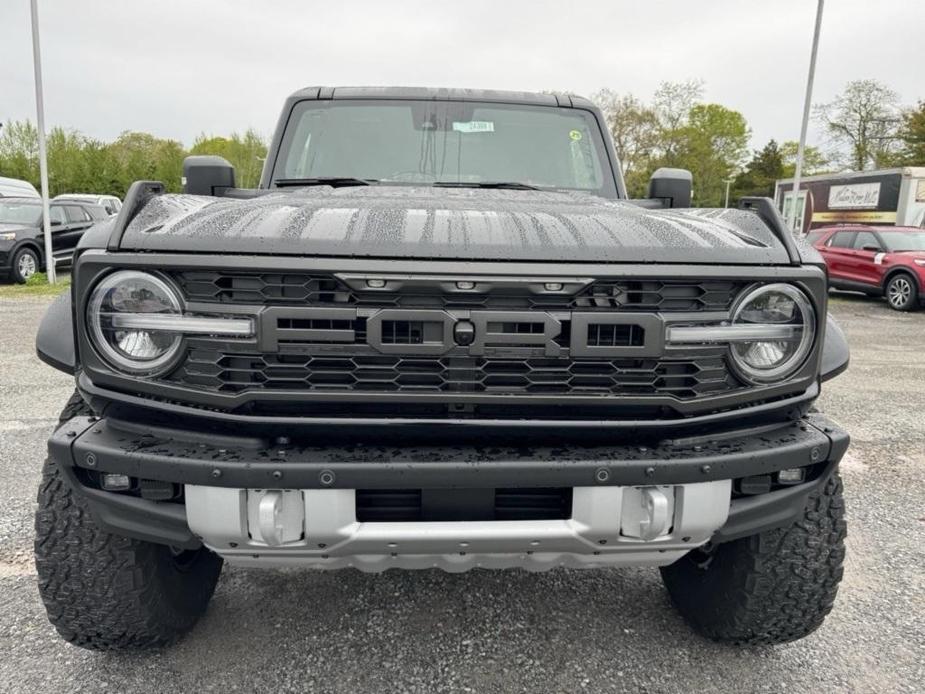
(151, 521)
(755, 514)
(172, 455)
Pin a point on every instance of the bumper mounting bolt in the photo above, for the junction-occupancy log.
(815, 454)
(277, 474)
(602, 474)
(90, 459)
(705, 469)
(650, 471)
(326, 478)
(216, 473)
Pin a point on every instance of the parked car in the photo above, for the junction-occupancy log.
(110, 203)
(22, 247)
(439, 334)
(879, 261)
(15, 188)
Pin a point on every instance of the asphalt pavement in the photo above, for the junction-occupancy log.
(561, 631)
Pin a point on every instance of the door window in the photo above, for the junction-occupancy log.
(842, 239)
(795, 220)
(76, 214)
(56, 215)
(866, 238)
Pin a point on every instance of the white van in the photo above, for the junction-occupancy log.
(14, 188)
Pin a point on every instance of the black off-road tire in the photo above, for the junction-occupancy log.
(108, 592)
(773, 587)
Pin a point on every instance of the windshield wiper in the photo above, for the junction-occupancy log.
(333, 181)
(505, 185)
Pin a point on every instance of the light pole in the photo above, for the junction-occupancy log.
(728, 182)
(43, 157)
(792, 217)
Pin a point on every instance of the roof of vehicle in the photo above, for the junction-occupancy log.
(442, 94)
(54, 201)
(84, 196)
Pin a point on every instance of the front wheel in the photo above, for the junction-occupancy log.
(902, 293)
(25, 264)
(105, 591)
(773, 587)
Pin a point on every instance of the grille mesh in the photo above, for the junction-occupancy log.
(236, 372)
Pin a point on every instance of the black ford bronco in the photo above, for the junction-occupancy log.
(438, 334)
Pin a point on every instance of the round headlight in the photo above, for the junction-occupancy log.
(127, 343)
(786, 314)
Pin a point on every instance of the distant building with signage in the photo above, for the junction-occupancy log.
(894, 197)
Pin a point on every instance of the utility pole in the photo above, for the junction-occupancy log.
(807, 103)
(43, 156)
(728, 183)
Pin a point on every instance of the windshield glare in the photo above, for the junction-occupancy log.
(20, 213)
(425, 142)
(898, 241)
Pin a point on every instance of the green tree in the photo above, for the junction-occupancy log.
(673, 103)
(815, 161)
(19, 151)
(760, 173)
(912, 137)
(142, 156)
(862, 121)
(635, 131)
(245, 152)
(712, 146)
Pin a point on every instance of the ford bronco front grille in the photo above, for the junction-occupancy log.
(339, 335)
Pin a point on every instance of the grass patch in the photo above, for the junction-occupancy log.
(37, 285)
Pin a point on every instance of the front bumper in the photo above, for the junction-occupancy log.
(218, 470)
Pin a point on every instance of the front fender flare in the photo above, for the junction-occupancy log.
(54, 342)
(835, 351)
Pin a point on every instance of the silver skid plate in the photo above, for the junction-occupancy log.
(317, 528)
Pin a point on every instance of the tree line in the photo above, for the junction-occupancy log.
(81, 164)
(865, 127)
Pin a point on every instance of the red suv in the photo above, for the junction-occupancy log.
(887, 261)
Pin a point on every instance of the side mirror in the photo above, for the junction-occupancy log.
(672, 186)
(207, 175)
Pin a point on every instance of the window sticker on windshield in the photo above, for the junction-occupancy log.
(575, 135)
(474, 126)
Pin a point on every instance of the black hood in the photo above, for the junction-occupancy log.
(459, 224)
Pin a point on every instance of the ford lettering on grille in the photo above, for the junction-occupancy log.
(420, 332)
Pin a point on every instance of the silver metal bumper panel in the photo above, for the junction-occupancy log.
(317, 528)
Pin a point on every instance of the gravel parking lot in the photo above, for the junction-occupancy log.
(513, 631)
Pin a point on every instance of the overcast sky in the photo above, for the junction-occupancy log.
(177, 69)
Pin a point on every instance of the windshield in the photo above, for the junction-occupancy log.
(427, 142)
(898, 241)
(20, 213)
